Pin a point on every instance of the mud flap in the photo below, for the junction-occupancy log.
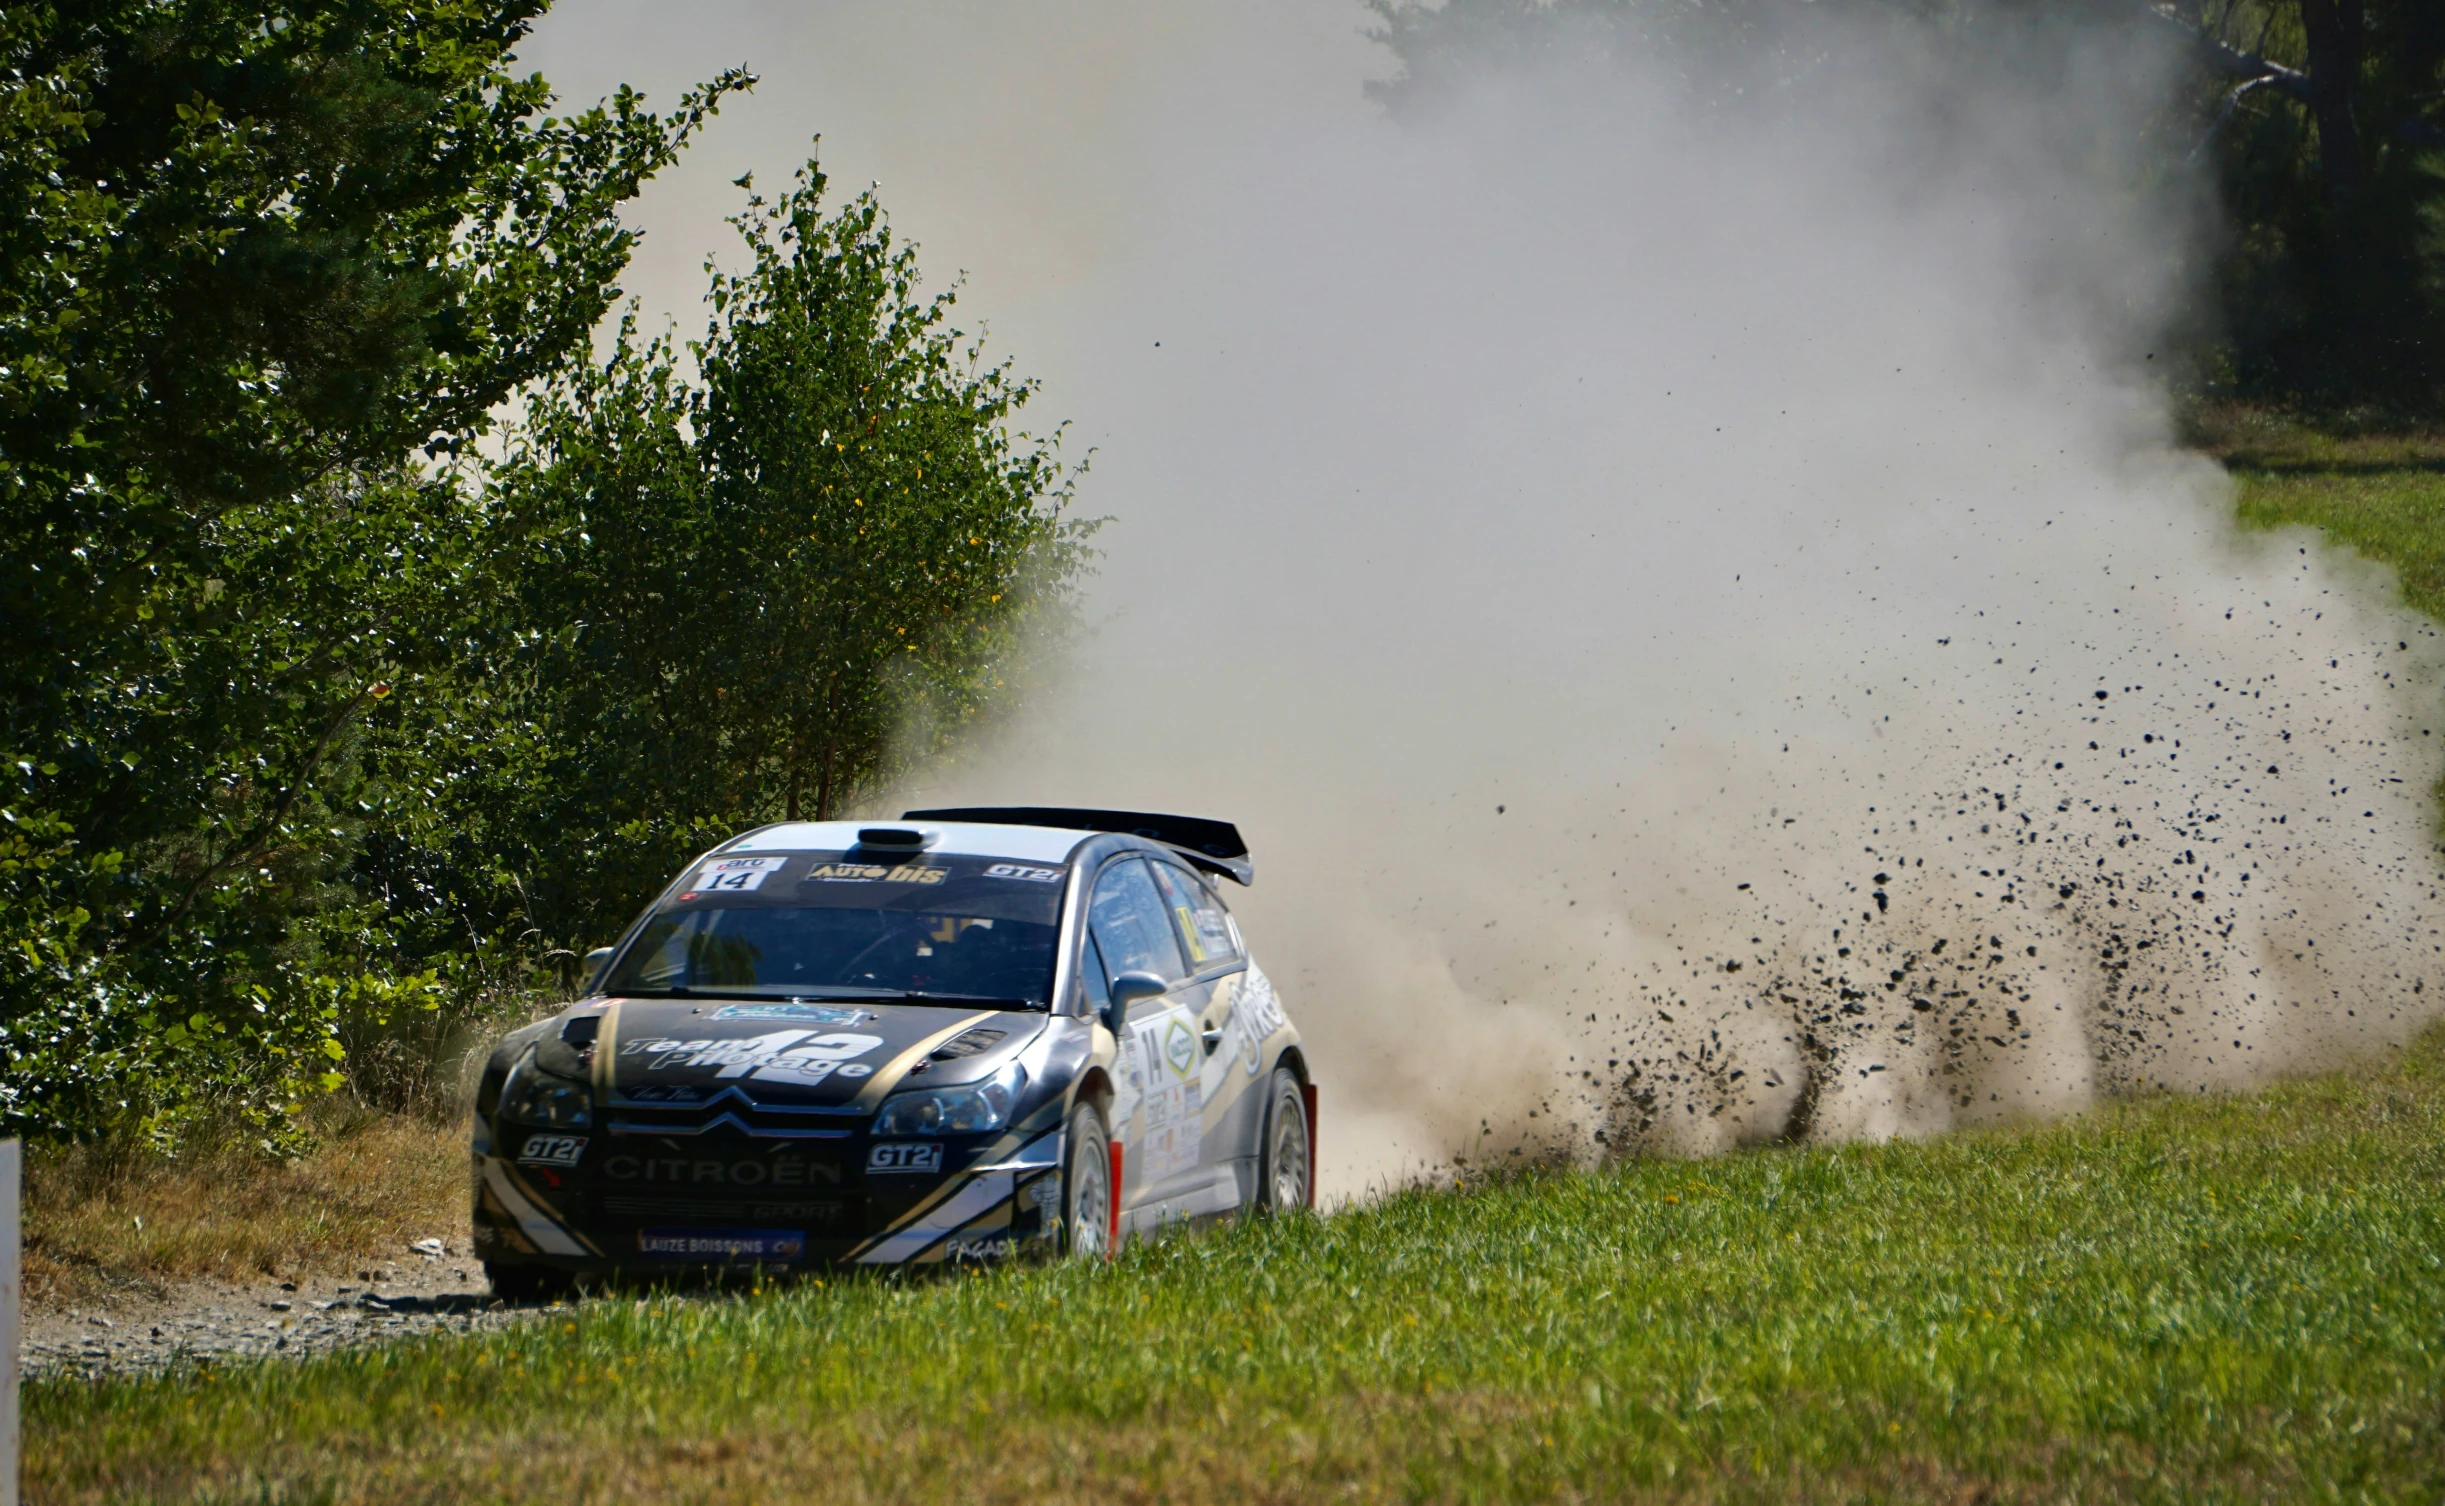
(1307, 1101)
(1112, 1236)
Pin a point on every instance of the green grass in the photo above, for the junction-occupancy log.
(2378, 489)
(2231, 1297)
(2238, 1298)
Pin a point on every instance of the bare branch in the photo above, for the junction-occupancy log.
(2224, 112)
(2229, 60)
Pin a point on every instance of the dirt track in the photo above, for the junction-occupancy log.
(153, 1328)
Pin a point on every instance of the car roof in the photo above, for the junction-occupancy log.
(1033, 844)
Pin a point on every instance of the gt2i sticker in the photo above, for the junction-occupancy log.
(876, 873)
(1024, 874)
(908, 1157)
(785, 1056)
(551, 1150)
(724, 875)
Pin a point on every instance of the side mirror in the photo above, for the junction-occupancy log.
(596, 961)
(1127, 989)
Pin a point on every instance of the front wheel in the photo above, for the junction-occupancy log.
(1086, 1187)
(527, 1283)
(1282, 1183)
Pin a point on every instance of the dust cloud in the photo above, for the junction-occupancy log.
(1688, 590)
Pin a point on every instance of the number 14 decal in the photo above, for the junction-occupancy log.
(737, 873)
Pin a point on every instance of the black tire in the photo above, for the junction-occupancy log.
(1283, 1166)
(527, 1283)
(1086, 1187)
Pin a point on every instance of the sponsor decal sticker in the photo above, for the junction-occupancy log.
(1179, 1047)
(662, 1092)
(877, 873)
(732, 875)
(1170, 1128)
(1024, 873)
(893, 1156)
(551, 1150)
(797, 1057)
(1258, 1009)
(839, 1015)
(722, 1244)
(1001, 1247)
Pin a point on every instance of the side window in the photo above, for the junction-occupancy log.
(1204, 924)
(1130, 928)
(1093, 978)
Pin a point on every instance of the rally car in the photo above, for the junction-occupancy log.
(966, 1036)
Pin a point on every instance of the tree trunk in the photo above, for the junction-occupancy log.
(2333, 28)
(831, 746)
(796, 776)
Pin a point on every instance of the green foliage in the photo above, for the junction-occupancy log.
(2318, 292)
(2178, 1299)
(251, 258)
(752, 594)
(330, 738)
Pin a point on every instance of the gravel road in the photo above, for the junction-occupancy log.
(421, 1292)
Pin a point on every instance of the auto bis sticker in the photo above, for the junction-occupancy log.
(876, 873)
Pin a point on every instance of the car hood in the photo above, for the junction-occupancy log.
(842, 1056)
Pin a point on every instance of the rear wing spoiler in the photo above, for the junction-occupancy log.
(1212, 845)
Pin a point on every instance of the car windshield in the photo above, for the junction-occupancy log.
(964, 930)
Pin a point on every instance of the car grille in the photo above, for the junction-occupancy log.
(731, 1113)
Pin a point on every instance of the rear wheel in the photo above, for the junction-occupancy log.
(1086, 1187)
(1283, 1179)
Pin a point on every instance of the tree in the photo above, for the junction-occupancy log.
(2332, 173)
(757, 594)
(884, 525)
(253, 259)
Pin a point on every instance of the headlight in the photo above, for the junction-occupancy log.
(537, 1097)
(969, 1109)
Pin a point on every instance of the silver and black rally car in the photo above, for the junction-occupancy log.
(970, 1035)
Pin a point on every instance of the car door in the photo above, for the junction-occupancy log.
(1228, 1136)
(1159, 1110)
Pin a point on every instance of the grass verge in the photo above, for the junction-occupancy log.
(100, 1220)
(2378, 486)
(2219, 1298)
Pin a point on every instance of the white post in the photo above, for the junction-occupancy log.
(11, 1328)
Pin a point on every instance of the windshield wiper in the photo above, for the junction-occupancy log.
(924, 996)
(683, 991)
(831, 993)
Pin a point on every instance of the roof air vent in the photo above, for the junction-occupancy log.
(899, 837)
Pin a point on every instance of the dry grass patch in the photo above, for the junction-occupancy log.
(98, 1221)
